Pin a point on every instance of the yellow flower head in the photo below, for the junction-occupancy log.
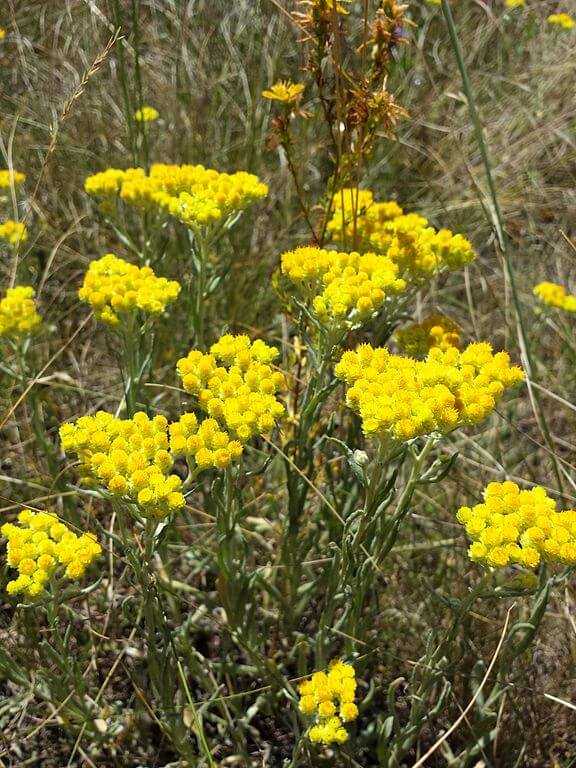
(401, 398)
(562, 20)
(329, 698)
(436, 330)
(556, 296)
(41, 547)
(236, 386)
(407, 240)
(18, 314)
(340, 288)
(515, 3)
(2, 33)
(514, 527)
(113, 287)
(146, 114)
(284, 91)
(13, 232)
(11, 178)
(196, 196)
(127, 457)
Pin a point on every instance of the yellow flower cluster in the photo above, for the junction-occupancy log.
(205, 443)
(514, 3)
(563, 20)
(146, 114)
(39, 545)
(114, 287)
(357, 213)
(18, 314)
(129, 457)
(11, 178)
(406, 239)
(195, 195)
(435, 331)
(2, 33)
(555, 296)
(239, 393)
(402, 398)
(329, 697)
(13, 232)
(519, 527)
(284, 91)
(341, 286)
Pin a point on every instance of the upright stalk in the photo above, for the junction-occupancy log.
(498, 224)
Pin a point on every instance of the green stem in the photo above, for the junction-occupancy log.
(498, 223)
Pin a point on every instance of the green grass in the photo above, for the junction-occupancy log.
(188, 683)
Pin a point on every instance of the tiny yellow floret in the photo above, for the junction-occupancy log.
(146, 114)
(554, 295)
(11, 178)
(562, 20)
(13, 232)
(284, 91)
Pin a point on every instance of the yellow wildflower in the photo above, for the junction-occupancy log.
(18, 314)
(562, 20)
(340, 287)
(11, 178)
(13, 232)
(114, 287)
(436, 330)
(236, 386)
(556, 296)
(146, 114)
(40, 546)
(284, 91)
(417, 249)
(403, 398)
(2, 33)
(128, 457)
(519, 527)
(515, 3)
(328, 697)
(195, 195)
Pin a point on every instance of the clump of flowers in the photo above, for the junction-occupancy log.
(562, 20)
(340, 287)
(13, 232)
(519, 527)
(204, 443)
(146, 114)
(401, 398)
(236, 386)
(128, 457)
(406, 239)
(195, 195)
(42, 547)
(18, 314)
(556, 296)
(114, 288)
(11, 178)
(435, 331)
(329, 698)
(284, 91)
